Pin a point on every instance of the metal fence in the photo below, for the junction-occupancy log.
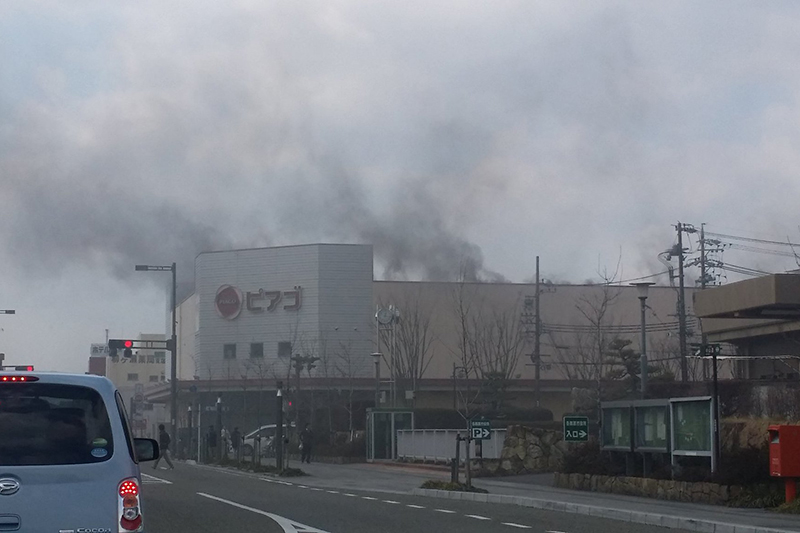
(439, 445)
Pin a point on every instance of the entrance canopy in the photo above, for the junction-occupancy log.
(755, 307)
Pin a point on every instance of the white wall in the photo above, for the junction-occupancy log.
(336, 292)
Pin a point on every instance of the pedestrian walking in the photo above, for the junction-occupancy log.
(164, 441)
(306, 443)
(225, 442)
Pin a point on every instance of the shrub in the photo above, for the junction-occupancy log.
(589, 459)
(447, 485)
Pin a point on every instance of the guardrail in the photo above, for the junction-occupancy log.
(439, 445)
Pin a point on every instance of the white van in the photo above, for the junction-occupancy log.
(68, 461)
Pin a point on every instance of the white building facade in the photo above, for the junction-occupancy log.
(254, 309)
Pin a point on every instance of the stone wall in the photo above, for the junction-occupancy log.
(526, 450)
(661, 489)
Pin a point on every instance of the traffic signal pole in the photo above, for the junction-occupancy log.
(174, 359)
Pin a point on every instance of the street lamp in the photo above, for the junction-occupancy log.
(173, 393)
(5, 312)
(643, 287)
(377, 356)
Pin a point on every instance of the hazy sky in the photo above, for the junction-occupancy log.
(442, 132)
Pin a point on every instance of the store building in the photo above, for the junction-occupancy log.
(256, 313)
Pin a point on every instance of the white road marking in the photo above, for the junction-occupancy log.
(555, 532)
(301, 487)
(288, 526)
(391, 501)
(448, 511)
(333, 492)
(351, 495)
(520, 526)
(477, 517)
(317, 489)
(415, 506)
(147, 479)
(369, 498)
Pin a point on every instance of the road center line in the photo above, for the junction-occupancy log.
(351, 495)
(369, 498)
(288, 526)
(415, 506)
(448, 511)
(520, 526)
(477, 517)
(333, 492)
(391, 501)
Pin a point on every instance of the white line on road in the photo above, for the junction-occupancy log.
(477, 517)
(148, 479)
(301, 487)
(351, 495)
(415, 506)
(520, 526)
(317, 489)
(554, 532)
(391, 501)
(288, 526)
(369, 498)
(448, 511)
(333, 492)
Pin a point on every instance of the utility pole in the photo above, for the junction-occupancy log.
(703, 339)
(537, 355)
(682, 306)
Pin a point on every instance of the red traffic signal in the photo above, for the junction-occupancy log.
(120, 344)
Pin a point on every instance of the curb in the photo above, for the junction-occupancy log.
(637, 517)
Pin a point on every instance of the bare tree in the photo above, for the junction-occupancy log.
(410, 341)
(348, 366)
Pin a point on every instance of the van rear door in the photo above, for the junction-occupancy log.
(56, 458)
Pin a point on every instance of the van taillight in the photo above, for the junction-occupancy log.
(17, 379)
(130, 516)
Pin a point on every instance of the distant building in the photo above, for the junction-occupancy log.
(134, 377)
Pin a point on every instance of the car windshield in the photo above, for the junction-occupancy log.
(49, 424)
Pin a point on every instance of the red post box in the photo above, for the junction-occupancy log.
(784, 456)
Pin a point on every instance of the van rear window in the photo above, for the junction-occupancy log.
(53, 424)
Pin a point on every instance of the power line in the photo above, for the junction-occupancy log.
(751, 239)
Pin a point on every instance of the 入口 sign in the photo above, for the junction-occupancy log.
(576, 429)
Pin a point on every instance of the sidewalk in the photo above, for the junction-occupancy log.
(533, 493)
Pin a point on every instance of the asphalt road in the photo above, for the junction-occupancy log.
(196, 499)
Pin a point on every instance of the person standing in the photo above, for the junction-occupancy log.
(164, 441)
(211, 443)
(236, 439)
(306, 442)
(225, 442)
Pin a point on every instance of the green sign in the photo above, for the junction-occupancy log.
(576, 429)
(480, 429)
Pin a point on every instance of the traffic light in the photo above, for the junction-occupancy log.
(119, 344)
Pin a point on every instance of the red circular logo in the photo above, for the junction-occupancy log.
(228, 302)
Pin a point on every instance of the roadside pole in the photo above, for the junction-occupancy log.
(279, 429)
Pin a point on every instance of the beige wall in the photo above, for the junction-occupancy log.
(559, 311)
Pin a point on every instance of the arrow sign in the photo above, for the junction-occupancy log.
(576, 429)
(480, 429)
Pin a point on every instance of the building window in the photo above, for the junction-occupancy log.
(163, 377)
(284, 349)
(229, 351)
(153, 379)
(257, 350)
(160, 354)
(133, 377)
